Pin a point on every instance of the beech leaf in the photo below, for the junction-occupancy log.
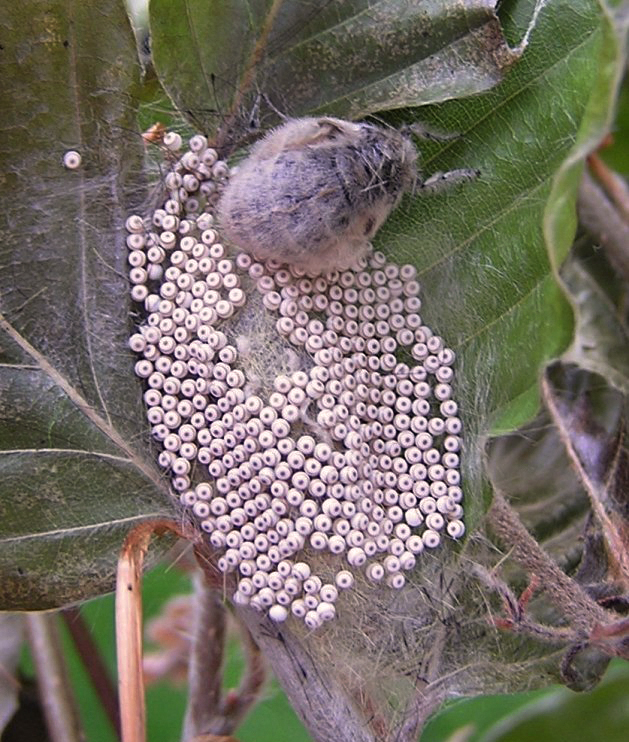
(76, 467)
(346, 58)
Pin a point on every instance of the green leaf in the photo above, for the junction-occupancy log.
(489, 285)
(76, 469)
(345, 58)
(601, 714)
(598, 117)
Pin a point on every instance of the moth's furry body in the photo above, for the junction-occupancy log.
(314, 191)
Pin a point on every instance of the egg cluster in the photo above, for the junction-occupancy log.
(353, 449)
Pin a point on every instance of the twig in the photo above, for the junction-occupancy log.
(613, 185)
(238, 703)
(209, 710)
(205, 664)
(129, 626)
(605, 223)
(129, 636)
(515, 617)
(93, 662)
(568, 596)
(52, 678)
(316, 694)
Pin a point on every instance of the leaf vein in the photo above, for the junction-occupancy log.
(80, 402)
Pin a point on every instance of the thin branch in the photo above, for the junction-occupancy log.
(205, 665)
(576, 425)
(209, 709)
(129, 626)
(515, 617)
(55, 692)
(129, 635)
(605, 223)
(95, 667)
(252, 681)
(614, 186)
(568, 596)
(318, 695)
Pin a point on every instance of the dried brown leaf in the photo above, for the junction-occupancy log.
(591, 422)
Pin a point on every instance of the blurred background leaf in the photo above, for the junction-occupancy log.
(555, 713)
(566, 715)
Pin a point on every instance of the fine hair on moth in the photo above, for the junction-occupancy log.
(314, 191)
